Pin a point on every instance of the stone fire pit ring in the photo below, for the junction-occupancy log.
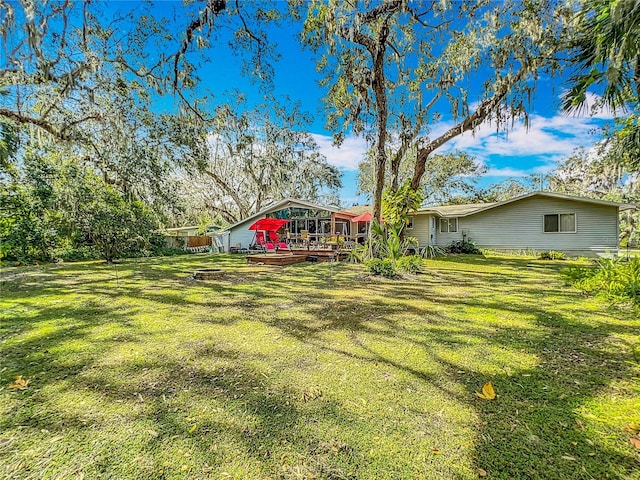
(208, 274)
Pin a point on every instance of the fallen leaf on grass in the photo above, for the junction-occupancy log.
(19, 383)
(436, 451)
(633, 428)
(635, 442)
(482, 472)
(488, 393)
(568, 457)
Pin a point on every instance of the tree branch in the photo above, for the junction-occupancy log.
(38, 122)
(60, 133)
(226, 214)
(246, 27)
(214, 7)
(227, 188)
(471, 122)
(386, 7)
(189, 106)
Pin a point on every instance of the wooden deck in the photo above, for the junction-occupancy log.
(279, 259)
(295, 255)
(321, 255)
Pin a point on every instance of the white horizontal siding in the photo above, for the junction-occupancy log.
(420, 229)
(241, 233)
(519, 225)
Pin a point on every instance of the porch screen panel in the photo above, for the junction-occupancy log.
(312, 225)
(299, 225)
(342, 228)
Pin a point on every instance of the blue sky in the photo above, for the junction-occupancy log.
(550, 136)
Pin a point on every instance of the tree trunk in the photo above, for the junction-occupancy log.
(395, 167)
(379, 90)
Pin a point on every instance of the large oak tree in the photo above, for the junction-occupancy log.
(403, 67)
(248, 158)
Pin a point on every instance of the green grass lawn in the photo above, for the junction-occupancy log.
(313, 371)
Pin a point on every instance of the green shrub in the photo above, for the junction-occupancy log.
(373, 266)
(70, 254)
(462, 246)
(381, 266)
(551, 255)
(432, 251)
(410, 264)
(358, 254)
(616, 280)
(389, 269)
(577, 274)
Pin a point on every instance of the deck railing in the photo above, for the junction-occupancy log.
(326, 240)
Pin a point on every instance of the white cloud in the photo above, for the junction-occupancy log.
(345, 157)
(536, 148)
(539, 146)
(520, 172)
(506, 172)
(545, 168)
(547, 139)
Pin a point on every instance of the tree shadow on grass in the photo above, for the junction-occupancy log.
(239, 412)
(32, 344)
(204, 400)
(536, 428)
(200, 414)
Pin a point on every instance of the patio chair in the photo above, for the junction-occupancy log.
(270, 248)
(304, 236)
(283, 246)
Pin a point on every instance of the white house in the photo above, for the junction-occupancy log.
(536, 221)
(315, 220)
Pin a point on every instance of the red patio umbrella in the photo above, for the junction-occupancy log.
(268, 224)
(364, 217)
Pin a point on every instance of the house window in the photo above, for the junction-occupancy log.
(410, 223)
(560, 223)
(448, 225)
